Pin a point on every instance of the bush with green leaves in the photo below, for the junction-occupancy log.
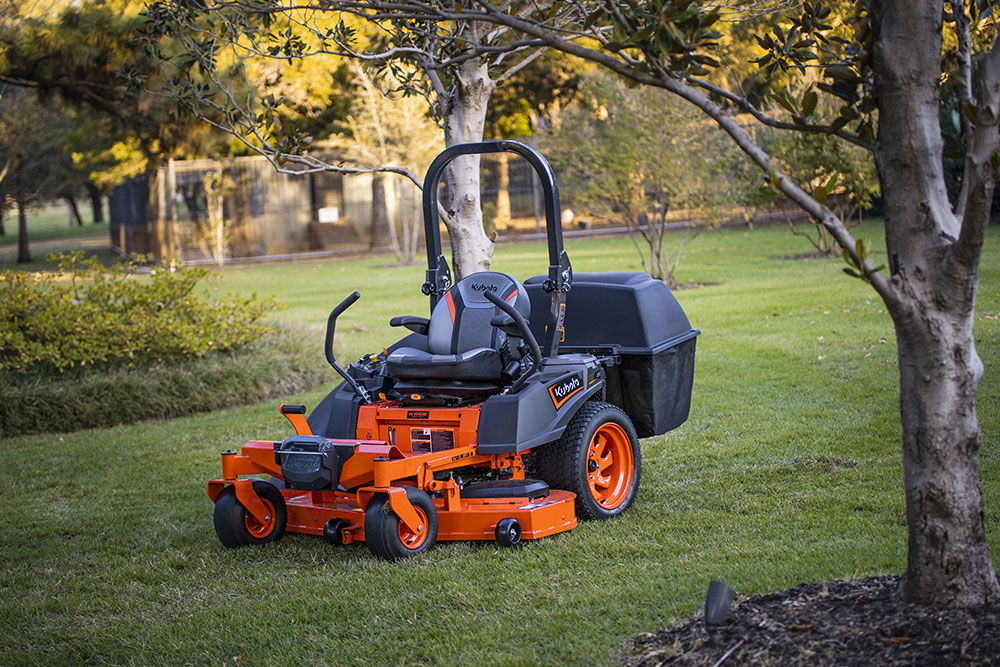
(91, 314)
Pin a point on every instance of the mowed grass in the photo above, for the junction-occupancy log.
(787, 471)
(52, 222)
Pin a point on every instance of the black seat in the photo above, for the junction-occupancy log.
(462, 345)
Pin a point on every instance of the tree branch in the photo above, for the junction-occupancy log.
(980, 174)
(729, 125)
(764, 119)
(965, 93)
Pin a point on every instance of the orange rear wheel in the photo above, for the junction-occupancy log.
(610, 465)
(597, 458)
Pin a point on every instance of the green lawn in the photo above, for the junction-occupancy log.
(51, 222)
(787, 471)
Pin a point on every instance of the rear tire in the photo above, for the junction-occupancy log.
(237, 528)
(597, 458)
(388, 538)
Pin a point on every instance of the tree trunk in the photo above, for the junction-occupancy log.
(948, 561)
(74, 211)
(380, 212)
(23, 249)
(503, 190)
(934, 261)
(3, 209)
(464, 118)
(96, 203)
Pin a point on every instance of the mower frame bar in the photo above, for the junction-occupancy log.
(560, 275)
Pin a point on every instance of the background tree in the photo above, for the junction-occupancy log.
(32, 136)
(81, 57)
(839, 175)
(524, 106)
(884, 61)
(454, 65)
(389, 131)
(640, 155)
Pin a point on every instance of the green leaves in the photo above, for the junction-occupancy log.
(676, 32)
(113, 316)
(857, 269)
(838, 50)
(821, 192)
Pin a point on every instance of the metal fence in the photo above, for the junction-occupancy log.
(234, 209)
(242, 208)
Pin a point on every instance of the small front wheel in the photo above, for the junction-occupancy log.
(333, 532)
(236, 527)
(387, 537)
(508, 532)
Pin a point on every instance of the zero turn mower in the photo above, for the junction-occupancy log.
(509, 413)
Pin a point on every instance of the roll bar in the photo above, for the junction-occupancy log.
(560, 275)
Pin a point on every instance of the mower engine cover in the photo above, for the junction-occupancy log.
(311, 463)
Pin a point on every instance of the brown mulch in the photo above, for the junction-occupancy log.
(862, 622)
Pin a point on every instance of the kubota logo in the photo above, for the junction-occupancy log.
(561, 391)
(482, 287)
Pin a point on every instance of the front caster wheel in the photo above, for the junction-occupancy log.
(598, 459)
(333, 532)
(236, 527)
(508, 532)
(387, 537)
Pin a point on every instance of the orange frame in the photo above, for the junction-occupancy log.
(383, 463)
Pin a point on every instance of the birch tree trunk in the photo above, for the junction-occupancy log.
(464, 118)
(934, 257)
(380, 213)
(503, 189)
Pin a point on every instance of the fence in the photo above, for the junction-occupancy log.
(242, 208)
(224, 210)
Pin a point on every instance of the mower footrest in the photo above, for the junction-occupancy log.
(507, 488)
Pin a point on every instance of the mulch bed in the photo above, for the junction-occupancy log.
(862, 622)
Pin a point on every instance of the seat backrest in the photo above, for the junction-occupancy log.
(461, 320)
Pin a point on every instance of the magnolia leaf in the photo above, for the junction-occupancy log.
(852, 273)
(592, 18)
(842, 73)
(819, 194)
(809, 101)
(785, 100)
(861, 246)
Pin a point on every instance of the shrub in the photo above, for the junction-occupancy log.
(91, 314)
(279, 364)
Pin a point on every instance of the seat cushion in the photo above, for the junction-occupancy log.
(481, 363)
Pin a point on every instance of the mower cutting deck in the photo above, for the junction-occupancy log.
(432, 438)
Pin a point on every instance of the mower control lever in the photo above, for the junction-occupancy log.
(331, 325)
(522, 325)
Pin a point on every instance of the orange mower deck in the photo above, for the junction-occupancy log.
(388, 470)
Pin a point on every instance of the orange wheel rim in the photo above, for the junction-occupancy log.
(610, 466)
(261, 529)
(410, 539)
